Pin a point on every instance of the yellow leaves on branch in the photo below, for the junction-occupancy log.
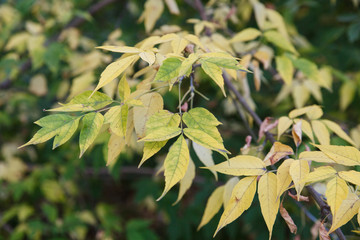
(299, 170)
(345, 155)
(336, 191)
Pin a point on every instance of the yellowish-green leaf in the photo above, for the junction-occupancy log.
(113, 70)
(161, 134)
(150, 148)
(320, 174)
(351, 176)
(269, 203)
(283, 125)
(285, 68)
(115, 145)
(213, 206)
(321, 132)
(186, 65)
(178, 44)
(277, 20)
(134, 103)
(117, 117)
(278, 40)
(313, 112)
(205, 156)
(205, 140)
(345, 155)
(338, 131)
(336, 191)
(241, 199)
(92, 123)
(283, 177)
(241, 165)
(277, 152)
(169, 70)
(187, 180)
(124, 89)
(83, 102)
(347, 210)
(299, 171)
(152, 12)
(245, 35)
(215, 73)
(176, 164)
(221, 59)
(153, 102)
(316, 156)
(309, 69)
(59, 125)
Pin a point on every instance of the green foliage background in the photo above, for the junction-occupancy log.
(49, 194)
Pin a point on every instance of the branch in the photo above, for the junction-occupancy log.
(75, 22)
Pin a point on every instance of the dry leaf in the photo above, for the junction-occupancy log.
(277, 152)
(301, 198)
(297, 133)
(323, 234)
(285, 215)
(266, 126)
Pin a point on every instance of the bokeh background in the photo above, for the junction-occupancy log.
(48, 55)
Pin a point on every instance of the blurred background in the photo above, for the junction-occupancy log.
(48, 55)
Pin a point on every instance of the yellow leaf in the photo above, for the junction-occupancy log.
(336, 191)
(321, 132)
(278, 40)
(277, 20)
(247, 34)
(347, 94)
(338, 131)
(150, 148)
(314, 89)
(120, 49)
(260, 13)
(186, 182)
(215, 73)
(152, 12)
(186, 65)
(114, 70)
(205, 156)
(161, 134)
(241, 199)
(176, 164)
(346, 211)
(316, 156)
(313, 112)
(306, 128)
(213, 206)
(326, 78)
(351, 176)
(153, 102)
(299, 170)
(148, 56)
(345, 155)
(321, 173)
(178, 44)
(241, 165)
(205, 140)
(269, 202)
(195, 40)
(285, 68)
(300, 94)
(173, 7)
(277, 152)
(283, 177)
(228, 189)
(355, 135)
(117, 117)
(283, 125)
(115, 145)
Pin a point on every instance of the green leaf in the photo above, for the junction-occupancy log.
(214, 72)
(92, 123)
(59, 125)
(205, 140)
(124, 89)
(285, 68)
(161, 134)
(220, 59)
(309, 69)
(169, 70)
(114, 69)
(278, 40)
(83, 102)
(176, 164)
(186, 65)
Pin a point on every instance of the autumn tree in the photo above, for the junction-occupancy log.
(187, 97)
